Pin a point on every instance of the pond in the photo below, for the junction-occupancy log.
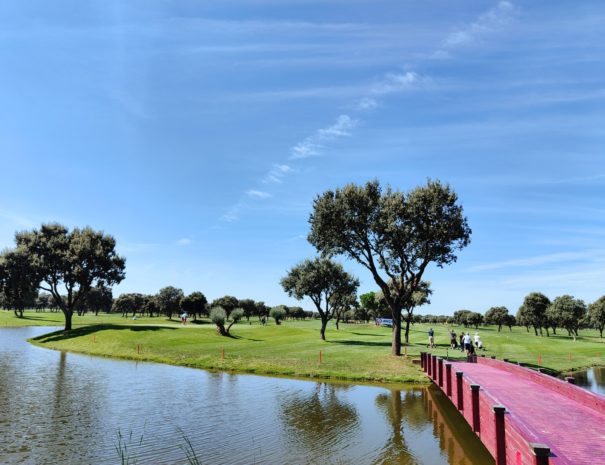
(592, 379)
(67, 408)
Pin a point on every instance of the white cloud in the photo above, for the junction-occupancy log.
(395, 82)
(231, 215)
(183, 241)
(341, 128)
(366, 103)
(313, 144)
(488, 22)
(277, 173)
(563, 257)
(257, 194)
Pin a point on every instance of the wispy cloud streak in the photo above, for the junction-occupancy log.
(390, 83)
(257, 194)
(563, 257)
(277, 173)
(313, 145)
(488, 22)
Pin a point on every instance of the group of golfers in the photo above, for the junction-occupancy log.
(466, 342)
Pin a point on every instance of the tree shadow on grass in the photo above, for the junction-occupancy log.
(40, 318)
(368, 334)
(88, 330)
(361, 343)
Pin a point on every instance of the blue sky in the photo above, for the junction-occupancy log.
(198, 133)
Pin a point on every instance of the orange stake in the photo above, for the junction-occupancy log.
(570, 356)
(223, 354)
(138, 348)
(320, 357)
(539, 360)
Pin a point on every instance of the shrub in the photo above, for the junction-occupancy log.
(218, 316)
(236, 315)
(278, 314)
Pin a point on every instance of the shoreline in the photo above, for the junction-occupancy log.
(357, 353)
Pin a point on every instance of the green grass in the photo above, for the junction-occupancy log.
(355, 353)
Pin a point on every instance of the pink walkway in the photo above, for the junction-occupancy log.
(574, 432)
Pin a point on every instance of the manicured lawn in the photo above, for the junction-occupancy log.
(356, 352)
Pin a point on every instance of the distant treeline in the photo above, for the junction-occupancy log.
(537, 312)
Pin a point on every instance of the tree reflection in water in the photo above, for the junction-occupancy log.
(397, 406)
(319, 423)
(592, 379)
(426, 428)
(456, 439)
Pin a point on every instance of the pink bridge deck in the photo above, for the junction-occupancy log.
(539, 409)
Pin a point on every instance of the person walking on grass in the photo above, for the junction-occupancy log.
(478, 342)
(431, 338)
(453, 340)
(462, 341)
(468, 344)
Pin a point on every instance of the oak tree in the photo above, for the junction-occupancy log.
(395, 235)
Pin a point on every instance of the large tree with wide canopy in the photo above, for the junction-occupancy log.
(395, 235)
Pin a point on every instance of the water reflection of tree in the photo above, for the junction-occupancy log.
(396, 406)
(455, 436)
(319, 422)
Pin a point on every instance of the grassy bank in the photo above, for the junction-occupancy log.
(356, 352)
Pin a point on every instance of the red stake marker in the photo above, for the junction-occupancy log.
(320, 357)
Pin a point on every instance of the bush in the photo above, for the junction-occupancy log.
(278, 314)
(218, 316)
(236, 314)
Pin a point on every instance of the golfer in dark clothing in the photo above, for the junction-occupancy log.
(431, 338)
(453, 340)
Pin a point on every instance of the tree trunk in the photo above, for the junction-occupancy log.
(337, 321)
(68, 315)
(601, 331)
(499, 327)
(536, 330)
(221, 329)
(407, 329)
(547, 332)
(322, 331)
(396, 343)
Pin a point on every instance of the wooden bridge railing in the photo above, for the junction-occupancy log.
(508, 439)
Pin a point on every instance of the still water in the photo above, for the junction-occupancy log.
(592, 379)
(58, 408)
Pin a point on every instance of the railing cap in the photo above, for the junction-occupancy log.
(540, 450)
(499, 408)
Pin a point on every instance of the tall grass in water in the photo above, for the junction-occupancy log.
(188, 449)
(122, 448)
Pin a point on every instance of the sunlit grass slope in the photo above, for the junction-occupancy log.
(355, 352)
